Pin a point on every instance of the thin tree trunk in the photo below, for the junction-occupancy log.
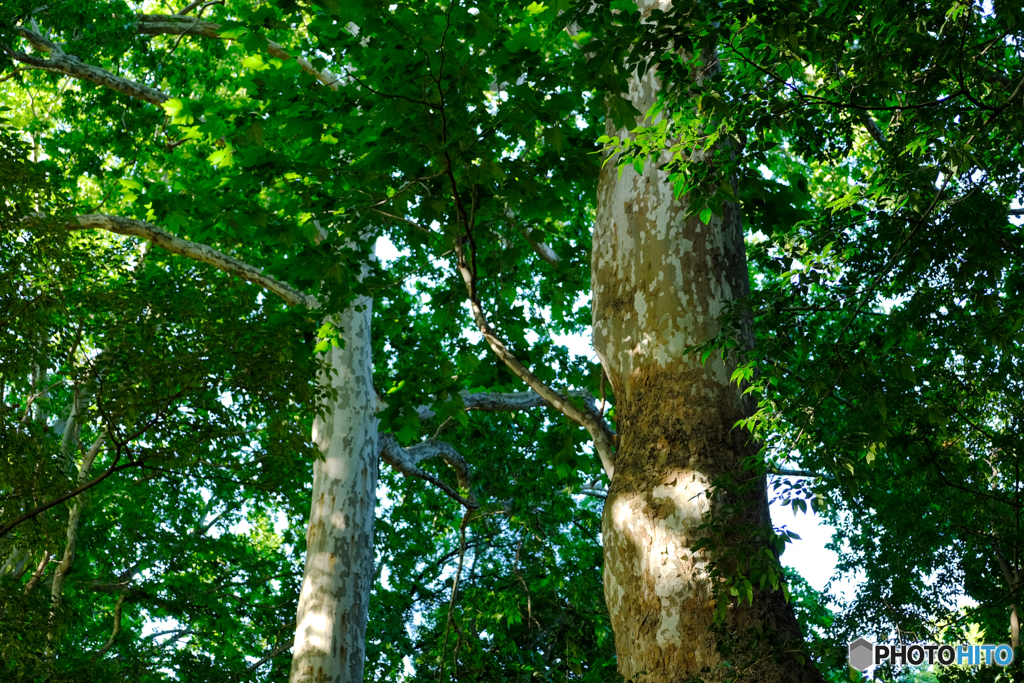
(74, 512)
(330, 638)
(660, 284)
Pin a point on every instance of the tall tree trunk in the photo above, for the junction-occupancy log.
(660, 284)
(330, 637)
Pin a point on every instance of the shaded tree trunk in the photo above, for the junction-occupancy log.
(330, 637)
(660, 284)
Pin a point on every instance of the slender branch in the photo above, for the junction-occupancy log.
(114, 467)
(69, 65)
(875, 132)
(116, 630)
(496, 402)
(541, 248)
(455, 592)
(604, 438)
(196, 3)
(38, 573)
(177, 25)
(782, 472)
(74, 515)
(195, 251)
(406, 461)
(277, 651)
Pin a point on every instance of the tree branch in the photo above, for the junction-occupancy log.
(116, 630)
(794, 473)
(69, 65)
(195, 251)
(280, 649)
(541, 248)
(38, 573)
(604, 438)
(177, 25)
(114, 467)
(74, 515)
(146, 24)
(406, 461)
(496, 402)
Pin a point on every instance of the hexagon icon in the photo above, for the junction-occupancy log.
(861, 654)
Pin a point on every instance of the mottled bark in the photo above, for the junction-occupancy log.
(194, 251)
(660, 284)
(333, 605)
(74, 514)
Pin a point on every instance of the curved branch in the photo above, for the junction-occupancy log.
(276, 652)
(69, 65)
(177, 25)
(114, 467)
(406, 461)
(604, 439)
(38, 573)
(195, 251)
(115, 631)
(496, 402)
(145, 24)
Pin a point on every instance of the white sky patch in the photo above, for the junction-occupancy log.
(809, 556)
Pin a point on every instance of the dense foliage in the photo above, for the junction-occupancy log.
(875, 150)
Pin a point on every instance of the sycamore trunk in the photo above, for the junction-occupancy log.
(330, 636)
(660, 284)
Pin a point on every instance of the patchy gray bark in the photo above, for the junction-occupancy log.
(660, 284)
(330, 636)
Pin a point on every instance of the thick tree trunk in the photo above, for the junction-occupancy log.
(330, 632)
(660, 284)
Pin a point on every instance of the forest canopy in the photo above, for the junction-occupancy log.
(223, 223)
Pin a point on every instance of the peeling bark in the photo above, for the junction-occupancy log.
(330, 637)
(660, 284)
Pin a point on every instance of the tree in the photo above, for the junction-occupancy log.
(888, 261)
(467, 135)
(203, 193)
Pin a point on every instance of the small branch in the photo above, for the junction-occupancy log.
(875, 132)
(38, 573)
(74, 515)
(496, 402)
(114, 467)
(604, 438)
(195, 251)
(116, 630)
(277, 651)
(794, 473)
(406, 461)
(407, 221)
(196, 3)
(541, 248)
